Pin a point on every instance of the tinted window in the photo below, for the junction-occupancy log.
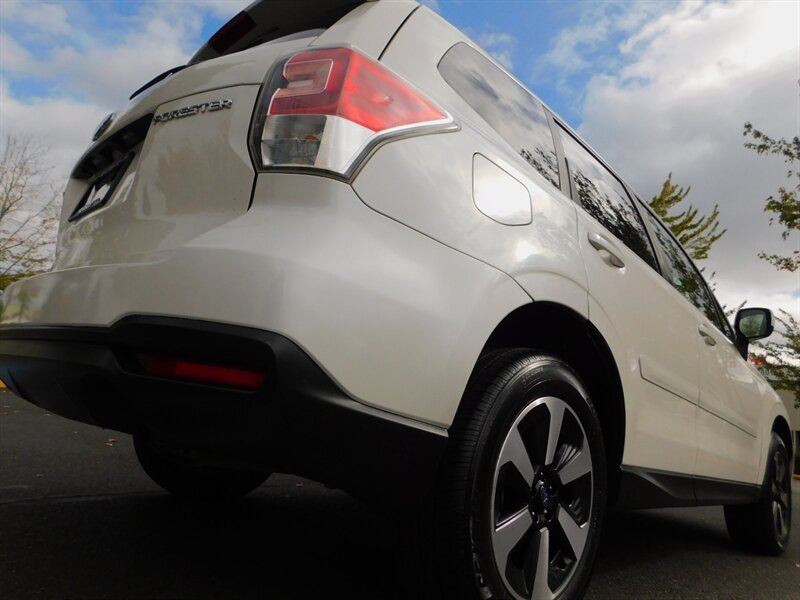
(684, 276)
(503, 103)
(603, 196)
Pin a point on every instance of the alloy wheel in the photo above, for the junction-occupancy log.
(541, 500)
(780, 494)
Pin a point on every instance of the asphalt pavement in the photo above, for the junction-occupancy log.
(79, 519)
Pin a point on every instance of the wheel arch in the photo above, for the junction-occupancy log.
(781, 427)
(562, 332)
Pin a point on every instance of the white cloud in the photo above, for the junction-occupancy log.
(107, 69)
(500, 45)
(43, 17)
(109, 75)
(694, 76)
(14, 57)
(81, 78)
(585, 45)
(62, 126)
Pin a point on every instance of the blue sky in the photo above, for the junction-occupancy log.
(554, 46)
(525, 36)
(656, 87)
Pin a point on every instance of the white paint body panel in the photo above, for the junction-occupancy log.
(369, 26)
(543, 256)
(360, 293)
(656, 357)
(732, 413)
(176, 188)
(498, 195)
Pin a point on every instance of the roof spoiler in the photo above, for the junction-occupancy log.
(266, 20)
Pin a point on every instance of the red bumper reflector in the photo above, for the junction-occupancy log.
(164, 366)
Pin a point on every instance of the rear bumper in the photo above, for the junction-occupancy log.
(299, 421)
(395, 318)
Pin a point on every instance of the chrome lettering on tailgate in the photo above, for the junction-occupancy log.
(194, 109)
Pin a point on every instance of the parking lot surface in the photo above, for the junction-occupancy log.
(79, 519)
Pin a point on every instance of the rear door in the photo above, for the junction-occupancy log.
(652, 334)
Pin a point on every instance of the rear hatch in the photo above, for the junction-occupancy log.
(175, 162)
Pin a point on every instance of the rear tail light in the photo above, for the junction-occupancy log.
(326, 108)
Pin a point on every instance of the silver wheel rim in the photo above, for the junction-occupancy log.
(541, 500)
(780, 495)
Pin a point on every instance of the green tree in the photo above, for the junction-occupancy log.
(783, 358)
(28, 211)
(696, 232)
(786, 205)
(782, 364)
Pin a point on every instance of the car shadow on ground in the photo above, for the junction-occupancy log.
(294, 539)
(153, 546)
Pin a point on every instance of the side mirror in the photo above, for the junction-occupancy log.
(752, 324)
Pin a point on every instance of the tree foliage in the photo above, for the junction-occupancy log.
(28, 211)
(782, 364)
(696, 232)
(782, 359)
(786, 204)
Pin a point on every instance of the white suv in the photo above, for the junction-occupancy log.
(343, 242)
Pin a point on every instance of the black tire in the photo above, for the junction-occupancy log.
(192, 482)
(491, 518)
(764, 526)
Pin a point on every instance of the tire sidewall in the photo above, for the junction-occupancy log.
(537, 378)
(777, 446)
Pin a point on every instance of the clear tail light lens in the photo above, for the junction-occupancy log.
(326, 108)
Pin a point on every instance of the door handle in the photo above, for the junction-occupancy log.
(706, 335)
(605, 248)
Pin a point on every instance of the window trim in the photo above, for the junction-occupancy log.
(563, 168)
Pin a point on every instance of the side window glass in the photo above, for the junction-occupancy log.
(511, 110)
(602, 195)
(684, 276)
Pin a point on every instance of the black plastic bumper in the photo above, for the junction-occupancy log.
(299, 422)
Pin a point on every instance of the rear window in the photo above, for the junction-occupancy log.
(507, 106)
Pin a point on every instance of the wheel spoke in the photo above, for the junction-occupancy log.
(780, 468)
(541, 587)
(515, 452)
(777, 514)
(576, 534)
(556, 419)
(579, 465)
(506, 537)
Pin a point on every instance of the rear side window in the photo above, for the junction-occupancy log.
(507, 106)
(602, 195)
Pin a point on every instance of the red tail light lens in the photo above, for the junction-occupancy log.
(175, 368)
(343, 83)
(324, 109)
